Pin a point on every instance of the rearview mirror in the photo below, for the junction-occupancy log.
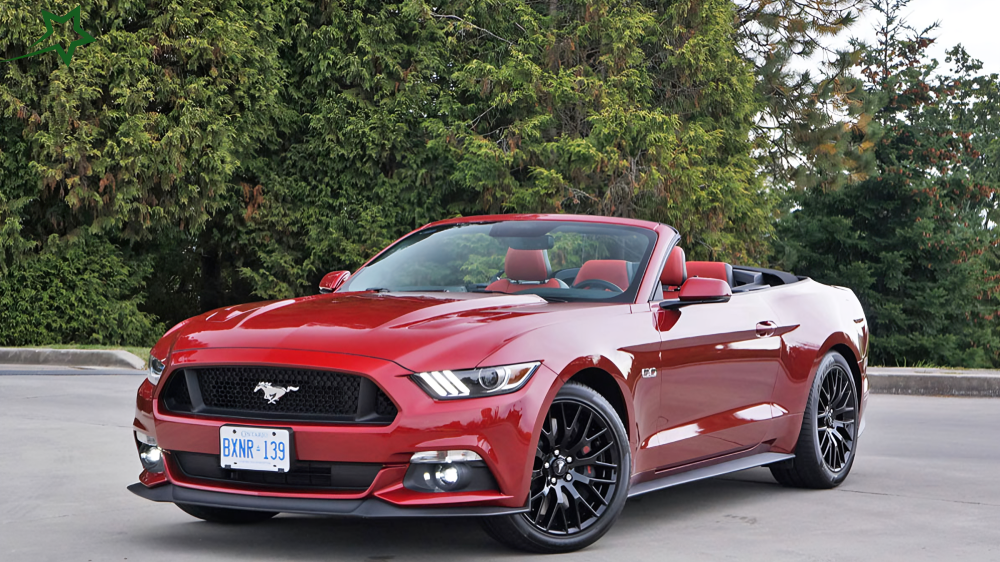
(700, 290)
(332, 281)
(545, 242)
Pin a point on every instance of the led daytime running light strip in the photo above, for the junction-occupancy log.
(445, 383)
(474, 383)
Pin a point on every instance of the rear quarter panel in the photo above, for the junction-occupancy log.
(818, 318)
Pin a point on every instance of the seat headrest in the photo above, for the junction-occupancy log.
(527, 265)
(613, 271)
(711, 269)
(674, 273)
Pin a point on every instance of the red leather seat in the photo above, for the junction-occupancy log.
(674, 272)
(612, 271)
(711, 269)
(525, 269)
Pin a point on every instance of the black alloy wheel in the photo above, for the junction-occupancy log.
(579, 479)
(836, 416)
(824, 453)
(575, 472)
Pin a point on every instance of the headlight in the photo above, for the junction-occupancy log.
(475, 383)
(155, 370)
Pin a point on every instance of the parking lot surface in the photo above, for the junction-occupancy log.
(925, 486)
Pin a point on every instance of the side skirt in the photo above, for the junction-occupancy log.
(736, 465)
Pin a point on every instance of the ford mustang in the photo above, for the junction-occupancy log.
(533, 371)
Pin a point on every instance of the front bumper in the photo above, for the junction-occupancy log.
(500, 429)
(367, 508)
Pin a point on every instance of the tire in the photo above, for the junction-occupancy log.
(576, 494)
(824, 453)
(226, 515)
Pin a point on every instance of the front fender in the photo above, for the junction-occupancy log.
(568, 350)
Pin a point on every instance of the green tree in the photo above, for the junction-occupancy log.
(812, 129)
(916, 240)
(143, 138)
(248, 146)
(79, 293)
(148, 126)
(413, 111)
(631, 109)
(355, 167)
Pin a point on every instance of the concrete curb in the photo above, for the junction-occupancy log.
(61, 371)
(116, 359)
(934, 382)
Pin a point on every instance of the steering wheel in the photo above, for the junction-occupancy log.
(600, 284)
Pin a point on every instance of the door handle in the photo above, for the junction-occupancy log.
(765, 328)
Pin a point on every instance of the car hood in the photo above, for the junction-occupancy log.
(418, 331)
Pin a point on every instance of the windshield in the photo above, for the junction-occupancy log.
(559, 261)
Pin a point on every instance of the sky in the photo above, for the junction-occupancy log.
(973, 23)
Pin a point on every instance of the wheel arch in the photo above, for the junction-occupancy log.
(605, 384)
(842, 344)
(853, 361)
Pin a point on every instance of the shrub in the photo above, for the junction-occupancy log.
(79, 292)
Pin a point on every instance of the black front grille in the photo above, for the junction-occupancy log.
(332, 476)
(178, 393)
(277, 393)
(308, 392)
(384, 406)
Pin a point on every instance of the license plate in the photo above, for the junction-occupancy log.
(255, 448)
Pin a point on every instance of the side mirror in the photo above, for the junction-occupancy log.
(700, 290)
(332, 281)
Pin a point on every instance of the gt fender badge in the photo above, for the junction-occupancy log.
(649, 373)
(274, 393)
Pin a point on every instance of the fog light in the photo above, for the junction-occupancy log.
(150, 455)
(449, 476)
(455, 477)
(448, 471)
(445, 477)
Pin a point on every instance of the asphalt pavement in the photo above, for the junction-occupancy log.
(925, 486)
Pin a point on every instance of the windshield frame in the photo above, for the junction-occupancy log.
(550, 295)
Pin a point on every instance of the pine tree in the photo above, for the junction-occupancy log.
(808, 92)
(916, 240)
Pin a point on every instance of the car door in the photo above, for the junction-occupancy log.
(718, 366)
(644, 350)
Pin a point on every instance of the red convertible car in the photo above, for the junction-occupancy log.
(531, 370)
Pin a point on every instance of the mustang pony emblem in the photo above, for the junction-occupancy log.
(273, 393)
